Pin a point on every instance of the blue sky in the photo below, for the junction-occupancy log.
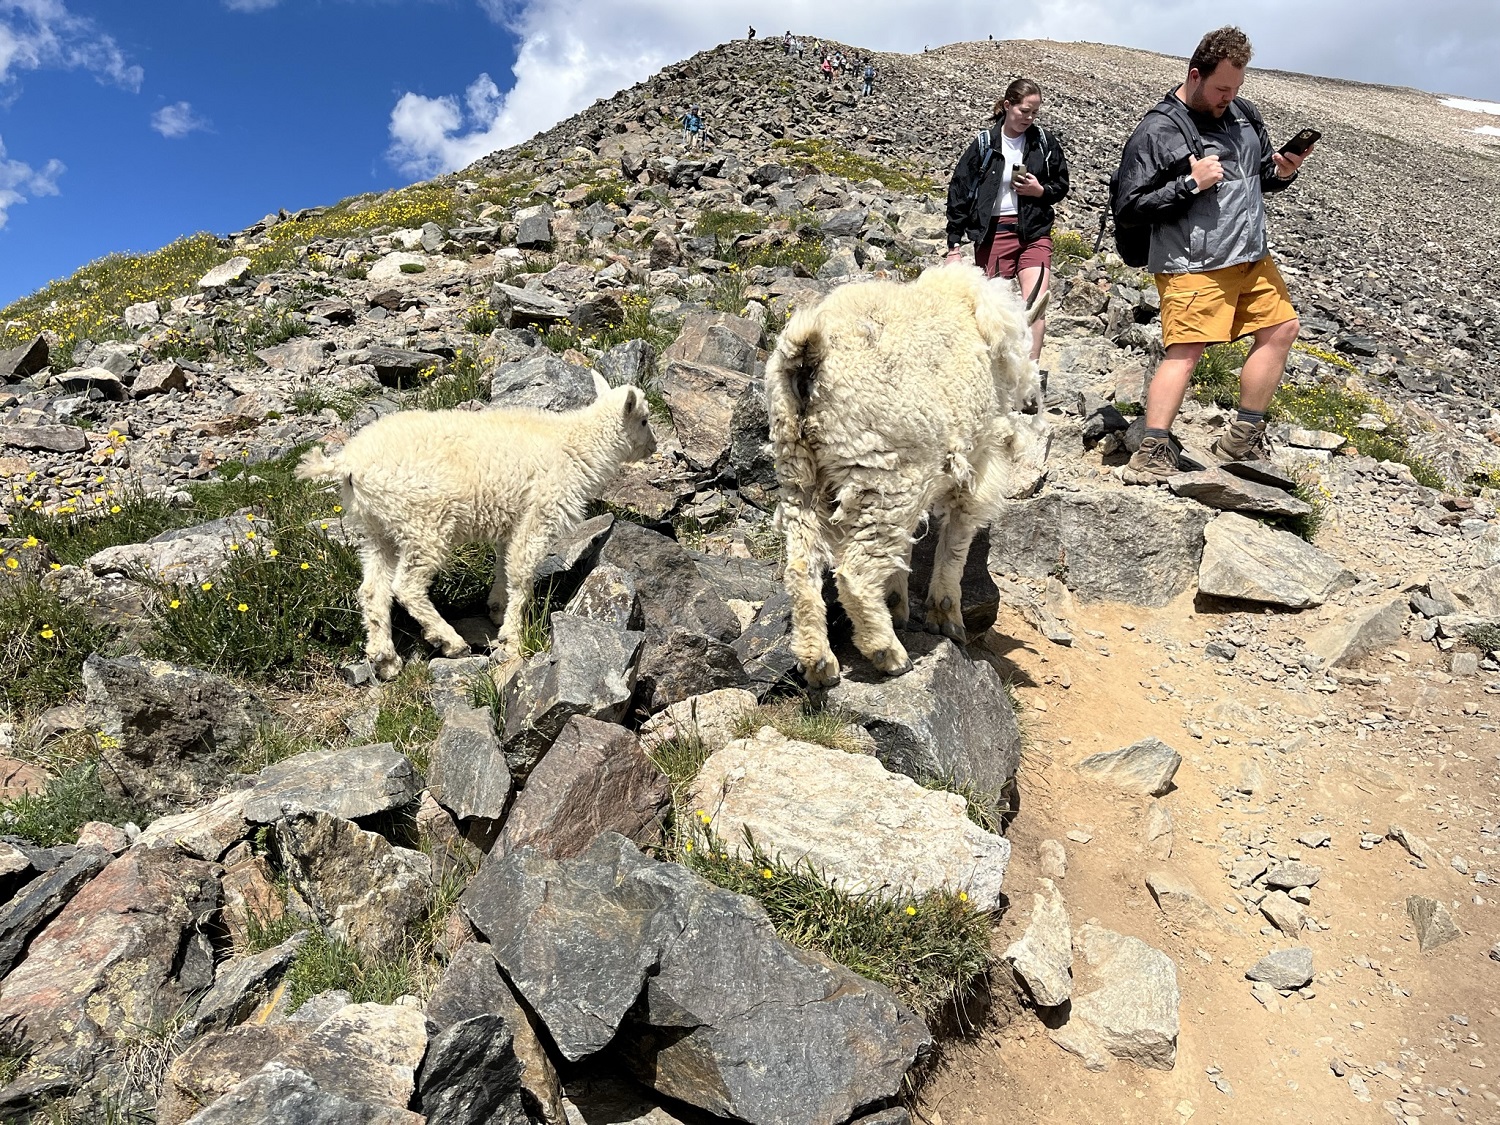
(125, 124)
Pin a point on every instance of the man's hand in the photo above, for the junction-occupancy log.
(954, 254)
(1206, 172)
(1028, 185)
(1287, 163)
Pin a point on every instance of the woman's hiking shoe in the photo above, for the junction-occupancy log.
(1243, 441)
(1153, 462)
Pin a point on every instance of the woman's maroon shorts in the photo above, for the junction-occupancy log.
(1003, 254)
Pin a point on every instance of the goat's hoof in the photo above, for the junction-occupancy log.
(451, 650)
(954, 631)
(900, 619)
(892, 661)
(823, 674)
(387, 666)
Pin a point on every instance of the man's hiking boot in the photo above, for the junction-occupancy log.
(1243, 441)
(1153, 462)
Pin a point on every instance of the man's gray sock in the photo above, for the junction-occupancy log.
(1159, 434)
(1256, 416)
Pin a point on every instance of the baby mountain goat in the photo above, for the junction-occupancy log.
(419, 483)
(888, 401)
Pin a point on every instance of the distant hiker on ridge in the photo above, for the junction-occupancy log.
(869, 77)
(1002, 196)
(692, 129)
(1209, 251)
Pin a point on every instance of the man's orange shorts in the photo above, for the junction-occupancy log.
(1222, 305)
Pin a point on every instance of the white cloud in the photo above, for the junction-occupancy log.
(177, 120)
(571, 52)
(43, 33)
(250, 5)
(20, 181)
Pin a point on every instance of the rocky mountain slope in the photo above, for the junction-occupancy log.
(242, 881)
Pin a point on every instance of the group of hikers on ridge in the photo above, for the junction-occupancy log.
(1189, 199)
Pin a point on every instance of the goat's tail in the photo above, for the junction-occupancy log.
(791, 378)
(317, 465)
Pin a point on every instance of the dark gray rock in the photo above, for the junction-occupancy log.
(949, 717)
(573, 556)
(671, 585)
(172, 733)
(48, 438)
(598, 311)
(282, 1095)
(542, 382)
(468, 775)
(1285, 969)
(39, 901)
(534, 228)
(464, 1072)
(241, 985)
(750, 447)
(522, 307)
(722, 1014)
(351, 784)
(593, 779)
(715, 339)
(627, 364)
(24, 361)
(764, 649)
(396, 367)
(1136, 545)
(589, 670)
(843, 224)
(677, 664)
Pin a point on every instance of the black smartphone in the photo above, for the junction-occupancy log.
(1301, 142)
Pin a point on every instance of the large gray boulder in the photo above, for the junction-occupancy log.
(673, 589)
(542, 382)
(1246, 560)
(677, 664)
(1147, 766)
(693, 986)
(701, 399)
(1133, 1009)
(593, 779)
(861, 827)
(170, 734)
(534, 227)
(1043, 956)
(949, 718)
(589, 670)
(186, 556)
(716, 339)
(1136, 546)
(469, 776)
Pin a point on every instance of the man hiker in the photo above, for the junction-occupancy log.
(869, 77)
(1209, 253)
(692, 129)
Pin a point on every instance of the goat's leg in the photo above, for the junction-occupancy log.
(499, 597)
(378, 555)
(896, 598)
(529, 543)
(414, 572)
(806, 561)
(870, 559)
(944, 608)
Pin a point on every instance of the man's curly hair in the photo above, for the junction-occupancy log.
(1226, 43)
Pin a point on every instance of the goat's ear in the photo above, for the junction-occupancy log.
(634, 401)
(601, 385)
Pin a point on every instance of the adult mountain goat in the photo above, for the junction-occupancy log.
(889, 401)
(419, 483)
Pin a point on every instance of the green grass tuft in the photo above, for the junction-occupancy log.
(406, 718)
(71, 799)
(43, 644)
(325, 962)
(800, 719)
(1486, 638)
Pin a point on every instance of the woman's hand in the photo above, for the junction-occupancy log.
(1029, 185)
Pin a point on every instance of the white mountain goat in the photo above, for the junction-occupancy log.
(419, 483)
(888, 401)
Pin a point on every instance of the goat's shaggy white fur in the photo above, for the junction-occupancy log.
(419, 483)
(888, 401)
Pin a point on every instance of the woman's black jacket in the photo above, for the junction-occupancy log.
(971, 202)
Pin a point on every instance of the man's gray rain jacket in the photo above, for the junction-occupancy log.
(1224, 225)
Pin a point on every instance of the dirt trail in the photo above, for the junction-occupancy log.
(1408, 1030)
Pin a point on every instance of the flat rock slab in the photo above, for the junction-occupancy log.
(1287, 876)
(226, 273)
(1361, 633)
(469, 774)
(722, 1013)
(1132, 545)
(1134, 1011)
(1218, 489)
(948, 718)
(1261, 472)
(709, 719)
(1043, 956)
(1285, 969)
(1246, 560)
(1179, 899)
(186, 556)
(206, 832)
(863, 828)
(50, 439)
(1147, 766)
(1434, 925)
(38, 901)
(351, 784)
